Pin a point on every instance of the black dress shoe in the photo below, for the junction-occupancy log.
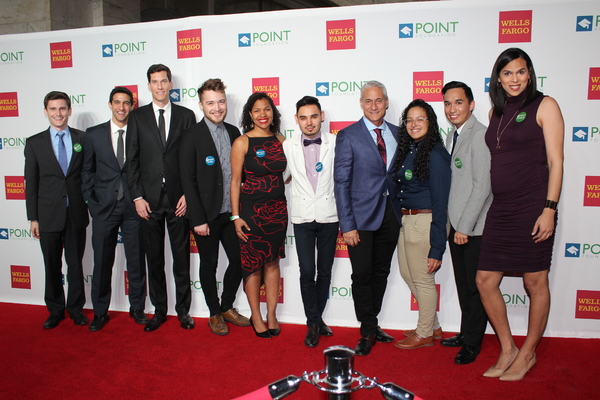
(139, 316)
(383, 337)
(79, 319)
(467, 354)
(186, 321)
(99, 322)
(53, 321)
(263, 335)
(454, 341)
(364, 346)
(155, 322)
(324, 330)
(312, 336)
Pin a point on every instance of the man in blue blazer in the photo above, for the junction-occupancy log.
(56, 209)
(364, 187)
(104, 185)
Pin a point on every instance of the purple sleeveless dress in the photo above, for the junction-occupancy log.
(519, 175)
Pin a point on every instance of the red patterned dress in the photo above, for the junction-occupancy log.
(262, 203)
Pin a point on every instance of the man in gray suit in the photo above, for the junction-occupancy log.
(470, 199)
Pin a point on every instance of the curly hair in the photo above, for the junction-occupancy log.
(432, 137)
(246, 121)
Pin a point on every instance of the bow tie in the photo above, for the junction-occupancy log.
(308, 142)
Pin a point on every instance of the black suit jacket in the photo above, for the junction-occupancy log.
(149, 162)
(202, 183)
(101, 174)
(47, 187)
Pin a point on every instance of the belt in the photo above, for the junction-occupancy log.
(415, 211)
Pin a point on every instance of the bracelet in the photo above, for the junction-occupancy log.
(551, 204)
(234, 217)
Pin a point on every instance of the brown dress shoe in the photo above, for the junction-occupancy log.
(217, 325)
(437, 333)
(414, 342)
(233, 316)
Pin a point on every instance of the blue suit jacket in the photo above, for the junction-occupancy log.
(361, 181)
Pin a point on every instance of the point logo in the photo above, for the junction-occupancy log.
(262, 293)
(585, 250)
(11, 57)
(428, 85)
(4, 234)
(585, 134)
(516, 300)
(343, 88)
(20, 276)
(341, 293)
(268, 85)
(183, 94)
(61, 55)
(427, 30)
(77, 100)
(587, 23)
(486, 85)
(15, 234)
(9, 104)
(123, 49)
(189, 43)
(341, 35)
(587, 305)
(515, 26)
(12, 143)
(594, 84)
(591, 194)
(120, 237)
(572, 249)
(14, 187)
(273, 38)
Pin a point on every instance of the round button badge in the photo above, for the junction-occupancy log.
(210, 160)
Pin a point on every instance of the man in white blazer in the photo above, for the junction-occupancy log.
(469, 201)
(313, 212)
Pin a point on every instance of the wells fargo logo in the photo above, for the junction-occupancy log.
(193, 244)
(126, 279)
(61, 55)
(189, 43)
(15, 187)
(414, 304)
(428, 85)
(336, 126)
(341, 35)
(591, 196)
(588, 304)
(515, 26)
(341, 247)
(20, 277)
(134, 92)
(262, 293)
(9, 104)
(268, 85)
(594, 85)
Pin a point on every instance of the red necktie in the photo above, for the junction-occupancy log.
(381, 145)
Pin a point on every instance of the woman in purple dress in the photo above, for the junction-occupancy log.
(525, 138)
(259, 207)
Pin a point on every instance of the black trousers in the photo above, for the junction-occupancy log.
(104, 241)
(52, 244)
(464, 261)
(154, 243)
(221, 230)
(371, 260)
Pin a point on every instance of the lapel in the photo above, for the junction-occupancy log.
(76, 139)
(464, 136)
(147, 115)
(106, 141)
(210, 142)
(173, 131)
(371, 146)
(46, 137)
(324, 147)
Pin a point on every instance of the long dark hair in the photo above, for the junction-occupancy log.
(246, 120)
(497, 94)
(421, 163)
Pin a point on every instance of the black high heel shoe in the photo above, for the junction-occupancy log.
(275, 332)
(263, 335)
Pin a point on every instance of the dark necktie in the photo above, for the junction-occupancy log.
(454, 141)
(62, 153)
(381, 145)
(161, 126)
(120, 160)
(308, 142)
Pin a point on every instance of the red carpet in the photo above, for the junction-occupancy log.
(123, 362)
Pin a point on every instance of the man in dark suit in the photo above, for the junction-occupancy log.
(107, 196)
(468, 204)
(56, 209)
(153, 141)
(364, 186)
(206, 177)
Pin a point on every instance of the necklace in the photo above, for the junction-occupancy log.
(498, 132)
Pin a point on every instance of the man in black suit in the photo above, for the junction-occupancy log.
(107, 196)
(206, 178)
(56, 209)
(153, 140)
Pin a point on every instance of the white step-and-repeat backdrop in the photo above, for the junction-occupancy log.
(413, 48)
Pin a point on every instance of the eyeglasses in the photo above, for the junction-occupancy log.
(418, 121)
